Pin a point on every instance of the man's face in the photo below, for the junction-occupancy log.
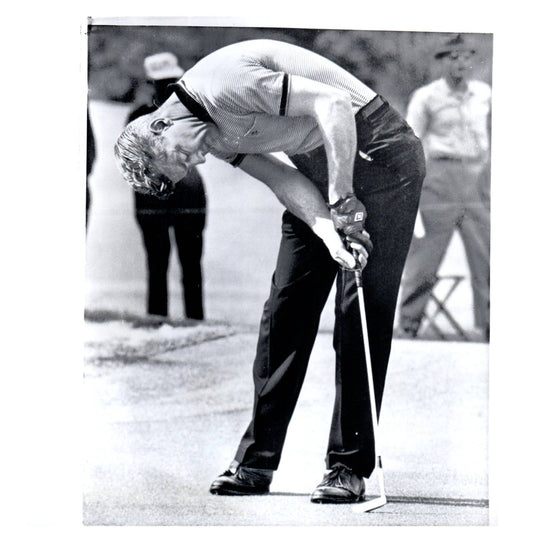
(458, 63)
(180, 146)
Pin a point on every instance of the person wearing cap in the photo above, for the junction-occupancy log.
(183, 213)
(451, 116)
(351, 196)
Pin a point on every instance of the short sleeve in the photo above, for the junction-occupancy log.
(416, 112)
(260, 90)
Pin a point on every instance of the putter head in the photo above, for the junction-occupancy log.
(369, 505)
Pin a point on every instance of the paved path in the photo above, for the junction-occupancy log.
(160, 428)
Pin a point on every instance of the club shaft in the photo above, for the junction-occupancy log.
(372, 394)
(373, 408)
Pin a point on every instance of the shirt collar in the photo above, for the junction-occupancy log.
(448, 91)
(194, 107)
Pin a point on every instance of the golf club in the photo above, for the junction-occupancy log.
(381, 500)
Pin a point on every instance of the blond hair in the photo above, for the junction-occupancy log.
(135, 155)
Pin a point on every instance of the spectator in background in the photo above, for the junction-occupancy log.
(184, 212)
(452, 118)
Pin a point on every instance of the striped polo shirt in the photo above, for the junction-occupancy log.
(246, 90)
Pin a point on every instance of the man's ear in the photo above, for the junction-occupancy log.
(159, 125)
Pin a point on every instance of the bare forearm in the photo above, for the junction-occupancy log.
(334, 115)
(304, 200)
(301, 198)
(299, 195)
(338, 130)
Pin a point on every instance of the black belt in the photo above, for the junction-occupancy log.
(369, 109)
(197, 109)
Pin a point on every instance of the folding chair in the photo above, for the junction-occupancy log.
(429, 318)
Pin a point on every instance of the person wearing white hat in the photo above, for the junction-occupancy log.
(183, 213)
(162, 66)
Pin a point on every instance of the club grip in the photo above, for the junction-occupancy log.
(358, 276)
(358, 271)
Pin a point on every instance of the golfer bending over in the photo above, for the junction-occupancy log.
(359, 171)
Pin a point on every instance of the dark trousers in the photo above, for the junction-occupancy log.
(188, 234)
(389, 186)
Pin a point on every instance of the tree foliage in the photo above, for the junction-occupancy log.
(393, 63)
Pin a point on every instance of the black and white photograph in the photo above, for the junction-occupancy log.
(261, 245)
(286, 269)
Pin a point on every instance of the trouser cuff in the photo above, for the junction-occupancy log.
(263, 471)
